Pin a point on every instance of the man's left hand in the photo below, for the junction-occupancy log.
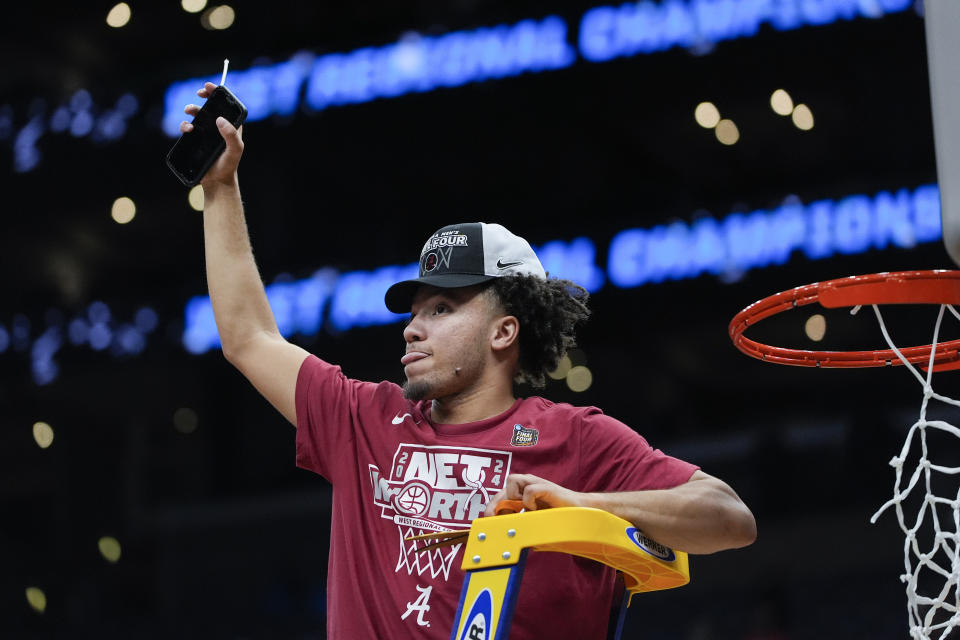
(535, 493)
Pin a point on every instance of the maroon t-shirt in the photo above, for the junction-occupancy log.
(395, 473)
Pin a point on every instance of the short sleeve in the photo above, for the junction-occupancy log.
(328, 415)
(614, 457)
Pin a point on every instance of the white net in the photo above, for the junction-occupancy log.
(435, 562)
(931, 549)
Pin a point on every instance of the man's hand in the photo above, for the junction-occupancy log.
(224, 170)
(703, 515)
(535, 493)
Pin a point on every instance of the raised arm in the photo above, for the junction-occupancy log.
(248, 331)
(703, 515)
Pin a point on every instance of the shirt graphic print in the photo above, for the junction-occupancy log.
(435, 488)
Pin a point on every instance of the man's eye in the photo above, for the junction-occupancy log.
(441, 308)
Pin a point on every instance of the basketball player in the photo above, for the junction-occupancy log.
(454, 440)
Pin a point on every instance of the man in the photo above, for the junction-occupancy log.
(454, 441)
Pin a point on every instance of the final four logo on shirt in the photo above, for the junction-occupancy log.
(524, 436)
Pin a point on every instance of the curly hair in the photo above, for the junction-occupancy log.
(548, 311)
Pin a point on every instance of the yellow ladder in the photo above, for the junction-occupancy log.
(496, 548)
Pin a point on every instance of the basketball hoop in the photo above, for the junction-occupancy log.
(901, 287)
(938, 612)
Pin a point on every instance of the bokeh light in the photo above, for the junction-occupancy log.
(99, 336)
(218, 18)
(707, 115)
(579, 378)
(815, 327)
(185, 420)
(37, 599)
(43, 434)
(123, 210)
(193, 6)
(563, 367)
(727, 132)
(781, 102)
(109, 549)
(146, 319)
(803, 117)
(119, 15)
(195, 198)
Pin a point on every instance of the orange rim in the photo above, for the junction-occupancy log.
(901, 287)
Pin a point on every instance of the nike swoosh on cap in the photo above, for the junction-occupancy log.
(504, 265)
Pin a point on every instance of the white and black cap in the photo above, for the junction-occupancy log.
(460, 255)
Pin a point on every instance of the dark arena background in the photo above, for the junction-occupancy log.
(149, 491)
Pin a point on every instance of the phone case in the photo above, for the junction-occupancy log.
(188, 142)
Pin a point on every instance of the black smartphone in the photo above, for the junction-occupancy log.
(195, 151)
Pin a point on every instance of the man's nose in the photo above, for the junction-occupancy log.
(413, 332)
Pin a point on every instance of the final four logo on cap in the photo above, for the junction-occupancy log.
(460, 255)
(438, 251)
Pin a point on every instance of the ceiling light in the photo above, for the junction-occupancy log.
(119, 15)
(42, 434)
(109, 549)
(123, 210)
(37, 599)
(562, 368)
(193, 6)
(781, 102)
(727, 132)
(707, 115)
(219, 18)
(195, 198)
(803, 117)
(579, 378)
(185, 420)
(815, 327)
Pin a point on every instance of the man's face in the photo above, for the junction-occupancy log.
(447, 340)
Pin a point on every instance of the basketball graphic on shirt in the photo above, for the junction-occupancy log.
(413, 499)
(431, 488)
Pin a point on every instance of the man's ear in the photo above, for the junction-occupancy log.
(506, 331)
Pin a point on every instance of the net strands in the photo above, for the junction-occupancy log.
(936, 615)
(918, 287)
(434, 562)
